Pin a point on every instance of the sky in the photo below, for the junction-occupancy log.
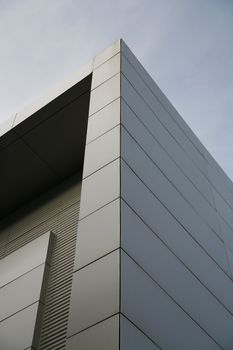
(185, 45)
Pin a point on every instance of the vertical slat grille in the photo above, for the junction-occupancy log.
(59, 213)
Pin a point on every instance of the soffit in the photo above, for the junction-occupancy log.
(43, 148)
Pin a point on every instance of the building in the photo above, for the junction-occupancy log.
(116, 223)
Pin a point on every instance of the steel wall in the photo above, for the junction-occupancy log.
(56, 211)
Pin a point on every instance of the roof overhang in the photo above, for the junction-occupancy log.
(44, 146)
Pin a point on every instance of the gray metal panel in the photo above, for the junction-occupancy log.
(230, 259)
(100, 188)
(22, 292)
(220, 177)
(95, 293)
(175, 237)
(106, 54)
(57, 211)
(98, 234)
(105, 71)
(153, 311)
(179, 282)
(172, 199)
(102, 151)
(159, 110)
(24, 259)
(103, 120)
(105, 94)
(227, 232)
(162, 98)
(132, 338)
(161, 158)
(103, 336)
(220, 185)
(17, 331)
(224, 209)
(162, 135)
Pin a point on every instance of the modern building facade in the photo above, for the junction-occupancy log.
(116, 226)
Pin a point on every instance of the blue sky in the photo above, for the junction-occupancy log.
(186, 46)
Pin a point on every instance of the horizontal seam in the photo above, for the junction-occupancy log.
(101, 64)
(101, 168)
(94, 324)
(24, 308)
(174, 254)
(95, 260)
(105, 106)
(172, 298)
(25, 273)
(104, 133)
(172, 184)
(175, 218)
(168, 112)
(180, 146)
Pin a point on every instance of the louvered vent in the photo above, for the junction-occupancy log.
(59, 213)
(53, 333)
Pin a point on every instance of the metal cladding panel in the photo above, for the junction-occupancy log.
(98, 234)
(227, 232)
(100, 188)
(57, 211)
(24, 259)
(108, 53)
(103, 120)
(95, 293)
(175, 278)
(17, 332)
(165, 163)
(132, 338)
(105, 94)
(105, 71)
(164, 225)
(224, 209)
(102, 151)
(163, 115)
(149, 307)
(176, 223)
(102, 336)
(219, 180)
(141, 110)
(162, 98)
(173, 200)
(21, 292)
